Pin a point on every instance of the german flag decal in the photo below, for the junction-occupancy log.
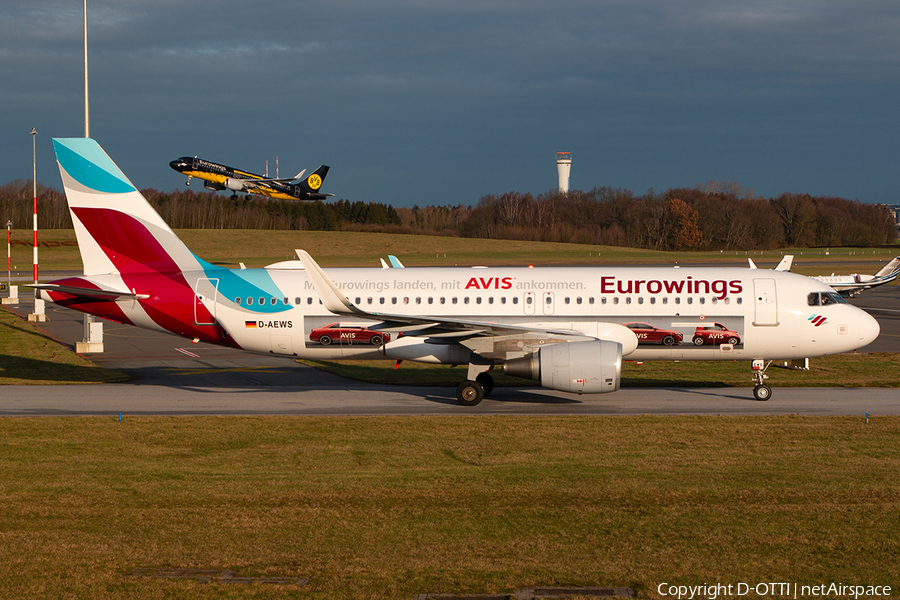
(250, 324)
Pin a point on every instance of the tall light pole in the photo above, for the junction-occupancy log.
(34, 183)
(93, 330)
(87, 117)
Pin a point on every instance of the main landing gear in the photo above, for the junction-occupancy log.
(761, 392)
(478, 383)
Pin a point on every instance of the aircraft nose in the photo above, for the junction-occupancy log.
(868, 329)
(178, 164)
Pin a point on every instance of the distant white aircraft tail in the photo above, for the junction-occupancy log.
(892, 268)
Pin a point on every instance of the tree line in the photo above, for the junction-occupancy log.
(716, 216)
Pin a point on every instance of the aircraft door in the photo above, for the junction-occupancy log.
(206, 289)
(548, 303)
(766, 302)
(528, 303)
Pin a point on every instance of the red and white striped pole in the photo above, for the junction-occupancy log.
(34, 182)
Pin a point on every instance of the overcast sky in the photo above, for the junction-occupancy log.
(444, 102)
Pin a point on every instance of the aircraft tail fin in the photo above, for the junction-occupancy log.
(314, 181)
(117, 229)
(892, 268)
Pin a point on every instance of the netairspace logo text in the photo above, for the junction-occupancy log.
(779, 589)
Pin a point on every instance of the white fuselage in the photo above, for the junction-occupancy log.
(274, 310)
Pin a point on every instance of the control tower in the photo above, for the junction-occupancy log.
(563, 166)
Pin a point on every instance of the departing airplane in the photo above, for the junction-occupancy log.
(567, 327)
(218, 177)
(848, 285)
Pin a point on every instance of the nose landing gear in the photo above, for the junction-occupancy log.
(761, 392)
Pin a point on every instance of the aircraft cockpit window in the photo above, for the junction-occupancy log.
(813, 299)
(832, 298)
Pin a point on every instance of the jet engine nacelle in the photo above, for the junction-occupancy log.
(418, 349)
(590, 367)
(212, 185)
(234, 184)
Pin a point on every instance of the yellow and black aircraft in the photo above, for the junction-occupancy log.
(218, 177)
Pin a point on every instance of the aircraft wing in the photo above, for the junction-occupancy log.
(277, 180)
(433, 327)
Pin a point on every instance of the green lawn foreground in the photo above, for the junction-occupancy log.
(29, 356)
(391, 507)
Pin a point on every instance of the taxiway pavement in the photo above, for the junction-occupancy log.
(171, 376)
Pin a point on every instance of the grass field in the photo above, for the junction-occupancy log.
(386, 508)
(29, 356)
(258, 248)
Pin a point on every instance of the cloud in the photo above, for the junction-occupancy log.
(646, 92)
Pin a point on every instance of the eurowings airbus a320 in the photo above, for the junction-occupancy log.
(218, 177)
(561, 326)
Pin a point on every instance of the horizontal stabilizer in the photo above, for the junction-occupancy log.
(85, 292)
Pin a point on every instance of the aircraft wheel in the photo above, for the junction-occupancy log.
(469, 393)
(487, 383)
(698, 341)
(762, 392)
(325, 340)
